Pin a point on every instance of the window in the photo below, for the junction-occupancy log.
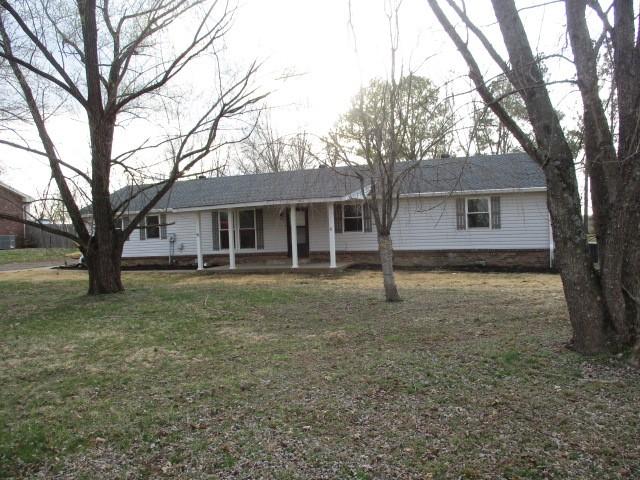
(121, 223)
(153, 226)
(352, 218)
(247, 228)
(223, 220)
(478, 213)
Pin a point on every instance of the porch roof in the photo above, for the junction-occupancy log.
(515, 171)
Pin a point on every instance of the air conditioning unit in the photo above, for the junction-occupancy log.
(7, 242)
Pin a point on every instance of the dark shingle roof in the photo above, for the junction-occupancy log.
(481, 172)
(484, 172)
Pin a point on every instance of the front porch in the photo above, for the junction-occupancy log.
(267, 268)
(287, 231)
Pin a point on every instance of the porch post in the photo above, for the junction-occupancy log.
(294, 237)
(199, 244)
(232, 240)
(332, 236)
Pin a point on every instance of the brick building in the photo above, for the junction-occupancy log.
(15, 203)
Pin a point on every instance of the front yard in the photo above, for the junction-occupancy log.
(36, 255)
(282, 376)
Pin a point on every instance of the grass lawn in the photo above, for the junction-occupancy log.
(286, 377)
(33, 255)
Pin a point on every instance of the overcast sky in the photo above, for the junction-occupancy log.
(322, 56)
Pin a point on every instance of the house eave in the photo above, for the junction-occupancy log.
(345, 198)
(26, 198)
(266, 203)
(465, 193)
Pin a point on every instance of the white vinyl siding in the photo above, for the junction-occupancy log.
(421, 224)
(184, 226)
(430, 224)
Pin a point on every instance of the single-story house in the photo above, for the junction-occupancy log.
(482, 210)
(16, 203)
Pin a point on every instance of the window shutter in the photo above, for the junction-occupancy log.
(143, 231)
(366, 217)
(460, 214)
(163, 226)
(495, 212)
(215, 230)
(337, 218)
(259, 230)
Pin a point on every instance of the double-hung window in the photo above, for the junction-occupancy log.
(478, 213)
(247, 228)
(352, 217)
(152, 226)
(223, 230)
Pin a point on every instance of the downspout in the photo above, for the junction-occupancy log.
(551, 245)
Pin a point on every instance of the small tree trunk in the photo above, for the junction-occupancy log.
(385, 247)
(104, 268)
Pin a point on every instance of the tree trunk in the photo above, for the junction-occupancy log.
(103, 262)
(582, 289)
(385, 247)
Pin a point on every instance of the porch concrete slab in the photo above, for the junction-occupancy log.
(311, 268)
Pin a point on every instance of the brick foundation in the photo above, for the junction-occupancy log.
(527, 259)
(524, 259)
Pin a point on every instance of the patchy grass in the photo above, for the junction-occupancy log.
(286, 377)
(33, 255)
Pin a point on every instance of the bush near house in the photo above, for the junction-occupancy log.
(285, 376)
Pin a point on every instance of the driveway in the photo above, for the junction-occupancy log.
(13, 267)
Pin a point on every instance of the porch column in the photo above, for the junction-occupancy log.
(332, 236)
(232, 240)
(294, 237)
(199, 244)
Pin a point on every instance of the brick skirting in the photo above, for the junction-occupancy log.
(535, 259)
(526, 259)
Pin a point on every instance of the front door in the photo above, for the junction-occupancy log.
(302, 231)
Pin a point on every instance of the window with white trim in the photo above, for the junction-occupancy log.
(121, 224)
(152, 226)
(478, 212)
(352, 218)
(223, 230)
(247, 228)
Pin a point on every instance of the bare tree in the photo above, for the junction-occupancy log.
(489, 134)
(604, 307)
(113, 62)
(300, 152)
(265, 150)
(391, 127)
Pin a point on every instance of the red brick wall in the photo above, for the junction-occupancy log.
(537, 259)
(11, 203)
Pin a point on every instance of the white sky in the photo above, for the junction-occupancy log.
(312, 41)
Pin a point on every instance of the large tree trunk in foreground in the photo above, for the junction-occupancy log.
(581, 287)
(385, 247)
(603, 306)
(104, 267)
(580, 284)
